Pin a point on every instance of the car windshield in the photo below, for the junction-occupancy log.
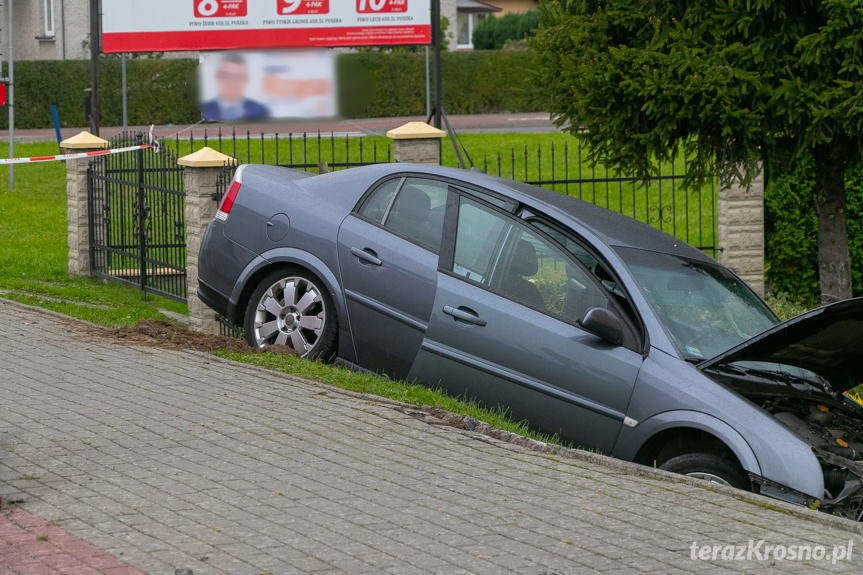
(703, 307)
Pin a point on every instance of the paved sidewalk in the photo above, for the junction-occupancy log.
(170, 461)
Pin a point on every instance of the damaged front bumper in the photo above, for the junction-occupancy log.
(775, 490)
(843, 485)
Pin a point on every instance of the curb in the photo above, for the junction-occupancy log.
(469, 425)
(49, 312)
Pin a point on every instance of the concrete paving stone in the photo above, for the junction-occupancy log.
(168, 458)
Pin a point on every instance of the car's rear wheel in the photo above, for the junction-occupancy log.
(291, 308)
(709, 466)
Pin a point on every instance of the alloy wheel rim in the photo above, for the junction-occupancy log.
(709, 477)
(290, 313)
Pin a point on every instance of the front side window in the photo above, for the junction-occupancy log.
(518, 263)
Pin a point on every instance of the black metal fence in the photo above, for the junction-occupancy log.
(137, 219)
(137, 200)
(688, 213)
(308, 152)
(662, 201)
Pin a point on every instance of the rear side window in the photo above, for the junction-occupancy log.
(418, 212)
(375, 206)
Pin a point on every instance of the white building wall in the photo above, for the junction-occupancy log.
(71, 40)
(71, 29)
(448, 11)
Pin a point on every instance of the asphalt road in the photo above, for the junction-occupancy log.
(136, 459)
(465, 124)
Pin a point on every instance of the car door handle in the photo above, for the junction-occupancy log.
(464, 314)
(368, 256)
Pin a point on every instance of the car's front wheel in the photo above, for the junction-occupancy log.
(709, 466)
(291, 308)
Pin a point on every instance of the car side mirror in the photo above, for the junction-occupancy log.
(604, 323)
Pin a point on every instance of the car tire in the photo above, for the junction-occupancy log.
(709, 466)
(292, 308)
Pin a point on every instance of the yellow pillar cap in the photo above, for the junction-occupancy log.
(206, 157)
(85, 141)
(414, 131)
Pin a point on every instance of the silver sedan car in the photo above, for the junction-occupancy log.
(584, 322)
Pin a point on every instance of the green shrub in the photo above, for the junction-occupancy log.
(492, 33)
(370, 84)
(786, 307)
(374, 84)
(160, 91)
(791, 231)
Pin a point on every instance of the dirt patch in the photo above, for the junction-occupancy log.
(158, 333)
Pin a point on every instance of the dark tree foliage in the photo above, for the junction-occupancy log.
(734, 82)
(492, 33)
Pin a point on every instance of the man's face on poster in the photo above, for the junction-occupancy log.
(232, 79)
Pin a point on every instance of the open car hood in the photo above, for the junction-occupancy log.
(827, 341)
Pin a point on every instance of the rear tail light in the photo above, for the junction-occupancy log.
(230, 196)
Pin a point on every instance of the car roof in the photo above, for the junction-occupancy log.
(610, 227)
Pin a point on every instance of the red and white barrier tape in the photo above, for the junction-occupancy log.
(59, 157)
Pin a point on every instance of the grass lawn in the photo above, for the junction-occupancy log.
(688, 214)
(400, 391)
(33, 250)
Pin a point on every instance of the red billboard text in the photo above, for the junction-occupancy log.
(220, 8)
(297, 7)
(381, 6)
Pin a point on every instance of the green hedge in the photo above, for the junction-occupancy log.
(375, 84)
(791, 231)
(161, 91)
(371, 84)
(493, 32)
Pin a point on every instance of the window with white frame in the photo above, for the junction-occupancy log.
(49, 17)
(466, 23)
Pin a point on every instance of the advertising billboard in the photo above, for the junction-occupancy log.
(261, 85)
(176, 25)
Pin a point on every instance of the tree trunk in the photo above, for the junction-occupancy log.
(834, 263)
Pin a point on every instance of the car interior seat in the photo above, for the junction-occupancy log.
(524, 264)
(412, 217)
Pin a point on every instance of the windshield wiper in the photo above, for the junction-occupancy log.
(773, 375)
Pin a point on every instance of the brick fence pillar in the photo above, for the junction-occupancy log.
(77, 207)
(416, 142)
(201, 176)
(741, 230)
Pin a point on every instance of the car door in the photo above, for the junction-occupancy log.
(505, 329)
(388, 256)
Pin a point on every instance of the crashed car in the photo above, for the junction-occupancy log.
(586, 323)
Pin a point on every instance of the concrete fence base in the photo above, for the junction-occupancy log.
(77, 207)
(741, 230)
(201, 177)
